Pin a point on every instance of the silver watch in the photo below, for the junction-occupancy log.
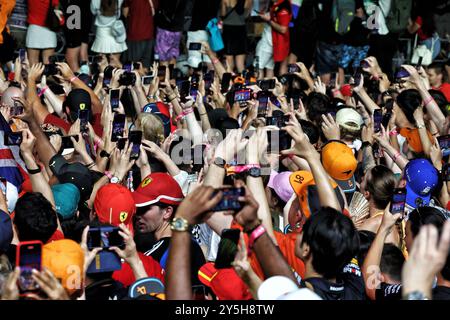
(114, 180)
(416, 295)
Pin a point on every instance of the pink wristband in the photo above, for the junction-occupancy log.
(394, 158)
(393, 132)
(258, 232)
(108, 174)
(429, 99)
(42, 91)
(73, 79)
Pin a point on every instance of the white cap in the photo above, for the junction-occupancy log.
(275, 287)
(300, 294)
(346, 116)
(12, 195)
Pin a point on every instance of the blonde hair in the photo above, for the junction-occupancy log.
(152, 127)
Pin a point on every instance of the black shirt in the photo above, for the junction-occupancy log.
(388, 292)
(327, 32)
(202, 12)
(441, 293)
(349, 285)
(160, 252)
(170, 15)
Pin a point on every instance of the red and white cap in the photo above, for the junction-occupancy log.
(158, 187)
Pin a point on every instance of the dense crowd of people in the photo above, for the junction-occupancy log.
(305, 167)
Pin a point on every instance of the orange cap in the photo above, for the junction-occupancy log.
(65, 259)
(340, 163)
(413, 138)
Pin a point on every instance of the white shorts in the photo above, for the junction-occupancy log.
(265, 57)
(40, 37)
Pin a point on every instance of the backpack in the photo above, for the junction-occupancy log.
(343, 14)
(397, 19)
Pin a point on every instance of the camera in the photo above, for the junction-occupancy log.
(127, 79)
(50, 69)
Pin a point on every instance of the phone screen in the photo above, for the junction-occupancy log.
(292, 68)
(13, 138)
(446, 172)
(161, 72)
(278, 140)
(128, 67)
(17, 110)
(364, 64)
(66, 142)
(377, 118)
(199, 293)
(135, 138)
(114, 99)
(22, 55)
(104, 237)
(398, 201)
(263, 104)
(118, 127)
(230, 199)
(184, 87)
(228, 247)
(444, 144)
(195, 46)
(208, 78)
(402, 73)
(29, 258)
(266, 84)
(225, 84)
(83, 115)
(121, 143)
(242, 95)
(279, 121)
(147, 80)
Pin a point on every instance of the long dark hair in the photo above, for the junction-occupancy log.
(428, 23)
(109, 8)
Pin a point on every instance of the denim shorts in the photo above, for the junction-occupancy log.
(352, 54)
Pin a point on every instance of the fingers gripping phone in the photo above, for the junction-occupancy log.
(228, 247)
(83, 115)
(377, 118)
(118, 127)
(135, 138)
(229, 199)
(28, 257)
(398, 201)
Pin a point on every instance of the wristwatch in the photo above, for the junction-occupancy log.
(114, 179)
(254, 172)
(180, 224)
(220, 162)
(415, 295)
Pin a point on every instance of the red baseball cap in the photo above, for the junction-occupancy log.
(114, 204)
(158, 187)
(225, 283)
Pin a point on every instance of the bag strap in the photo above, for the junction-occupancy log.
(415, 40)
(152, 6)
(229, 12)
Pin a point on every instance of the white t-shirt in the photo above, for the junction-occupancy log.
(380, 13)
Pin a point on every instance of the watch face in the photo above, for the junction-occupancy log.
(255, 172)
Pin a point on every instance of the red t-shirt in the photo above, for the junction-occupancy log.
(140, 19)
(65, 126)
(281, 44)
(420, 33)
(445, 89)
(38, 10)
(126, 276)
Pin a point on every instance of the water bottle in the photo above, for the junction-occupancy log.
(130, 181)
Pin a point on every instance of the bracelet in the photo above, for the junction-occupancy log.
(73, 79)
(90, 165)
(394, 158)
(173, 97)
(42, 91)
(108, 174)
(33, 171)
(393, 132)
(420, 126)
(255, 235)
(183, 114)
(203, 114)
(429, 99)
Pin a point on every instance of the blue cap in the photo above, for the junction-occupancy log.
(421, 180)
(66, 197)
(105, 261)
(6, 231)
(145, 286)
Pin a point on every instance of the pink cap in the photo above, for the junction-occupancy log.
(280, 183)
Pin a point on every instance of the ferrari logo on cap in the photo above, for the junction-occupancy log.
(146, 182)
(82, 106)
(123, 216)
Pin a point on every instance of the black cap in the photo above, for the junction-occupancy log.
(74, 173)
(77, 99)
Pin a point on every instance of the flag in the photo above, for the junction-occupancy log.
(12, 168)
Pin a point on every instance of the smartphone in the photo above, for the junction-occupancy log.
(50, 69)
(28, 257)
(444, 144)
(195, 46)
(183, 88)
(104, 237)
(128, 67)
(292, 68)
(171, 73)
(263, 103)
(208, 78)
(17, 110)
(118, 127)
(357, 77)
(266, 85)
(377, 118)
(230, 199)
(136, 65)
(22, 55)
(275, 101)
(12, 138)
(225, 84)
(419, 63)
(386, 118)
(135, 137)
(83, 115)
(228, 247)
(114, 99)
(398, 201)
(364, 64)
(194, 86)
(279, 121)
(66, 142)
(278, 140)
(242, 95)
(147, 80)
(161, 72)
(121, 143)
(402, 73)
(445, 172)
